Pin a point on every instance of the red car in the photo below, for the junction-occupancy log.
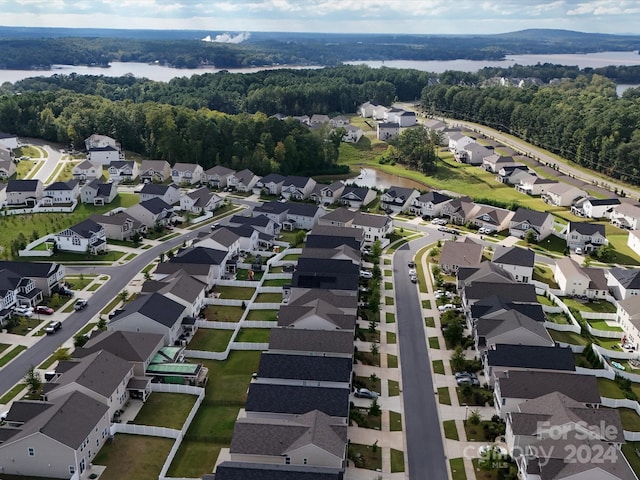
(44, 310)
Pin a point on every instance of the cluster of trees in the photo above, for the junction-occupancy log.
(175, 133)
(580, 119)
(416, 149)
(287, 91)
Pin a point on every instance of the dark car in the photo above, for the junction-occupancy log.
(65, 292)
(44, 310)
(411, 264)
(53, 327)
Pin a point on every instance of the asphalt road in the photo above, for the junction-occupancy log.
(53, 157)
(424, 447)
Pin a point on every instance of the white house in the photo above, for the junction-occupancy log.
(87, 170)
(595, 207)
(531, 184)
(119, 226)
(457, 141)
(200, 200)
(491, 218)
(242, 181)
(182, 288)
(473, 153)
(429, 204)
(519, 262)
(24, 192)
(562, 194)
(623, 283)
(401, 117)
(525, 221)
(628, 316)
(97, 140)
(352, 134)
(493, 163)
(387, 131)
(105, 155)
(155, 171)
(366, 109)
(270, 184)
(217, 176)
(98, 193)
(9, 140)
(167, 193)
(61, 193)
(398, 199)
(7, 169)
(626, 216)
(356, 197)
(223, 239)
(587, 236)
(151, 212)
(570, 277)
(330, 194)
(633, 241)
(297, 188)
(339, 121)
(186, 173)
(123, 171)
(84, 237)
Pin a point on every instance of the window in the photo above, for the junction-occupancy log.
(75, 241)
(31, 452)
(304, 461)
(287, 461)
(72, 469)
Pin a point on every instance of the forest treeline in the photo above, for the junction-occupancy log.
(580, 119)
(21, 51)
(175, 133)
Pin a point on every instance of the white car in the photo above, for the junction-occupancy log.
(366, 274)
(444, 308)
(412, 273)
(23, 311)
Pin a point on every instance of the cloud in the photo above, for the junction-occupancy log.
(228, 38)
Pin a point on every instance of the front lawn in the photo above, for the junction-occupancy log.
(450, 430)
(444, 397)
(395, 421)
(253, 335)
(397, 461)
(392, 361)
(210, 340)
(165, 410)
(394, 388)
(133, 456)
(366, 456)
(390, 317)
(457, 469)
(438, 367)
(434, 343)
(391, 337)
(25, 325)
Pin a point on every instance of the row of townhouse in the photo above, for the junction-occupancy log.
(352, 133)
(301, 391)
(546, 405)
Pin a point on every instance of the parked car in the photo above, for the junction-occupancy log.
(412, 272)
(578, 251)
(411, 264)
(23, 311)
(413, 278)
(468, 381)
(444, 308)
(53, 327)
(168, 226)
(465, 374)
(365, 393)
(44, 310)
(81, 304)
(366, 274)
(65, 292)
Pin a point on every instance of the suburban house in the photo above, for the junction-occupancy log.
(39, 441)
(24, 193)
(379, 112)
(215, 261)
(375, 227)
(155, 171)
(626, 216)
(493, 163)
(330, 194)
(151, 212)
(9, 140)
(401, 117)
(457, 141)
(102, 149)
(123, 171)
(151, 313)
(182, 288)
(623, 283)
(525, 221)
(291, 215)
(341, 299)
(3, 194)
(597, 208)
(84, 237)
(58, 193)
(47, 276)
(459, 254)
(398, 199)
(168, 193)
(7, 169)
(313, 438)
(261, 223)
(460, 210)
(587, 236)
(249, 239)
(513, 174)
(6, 155)
(366, 109)
(562, 194)
(502, 358)
(574, 280)
(217, 176)
(343, 252)
(186, 173)
(266, 399)
(519, 262)
(491, 295)
(325, 236)
(120, 226)
(510, 325)
(86, 171)
(429, 204)
(270, 184)
(352, 134)
(327, 274)
(100, 375)
(318, 119)
(633, 241)
(318, 315)
(628, 316)
(519, 386)
(339, 121)
(531, 184)
(222, 238)
(434, 125)
(298, 369)
(297, 188)
(97, 193)
(325, 343)
(486, 272)
(357, 197)
(136, 348)
(200, 200)
(242, 181)
(16, 290)
(492, 219)
(473, 153)
(387, 131)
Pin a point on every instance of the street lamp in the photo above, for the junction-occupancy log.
(466, 410)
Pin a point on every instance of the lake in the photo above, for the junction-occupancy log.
(164, 74)
(370, 177)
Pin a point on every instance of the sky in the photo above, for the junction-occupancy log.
(331, 16)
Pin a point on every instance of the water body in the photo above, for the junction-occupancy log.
(164, 74)
(370, 177)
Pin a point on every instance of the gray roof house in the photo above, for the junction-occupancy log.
(186, 173)
(271, 184)
(623, 282)
(459, 254)
(563, 194)
(525, 220)
(181, 287)
(299, 341)
(429, 204)
(47, 276)
(315, 315)
(517, 261)
(217, 176)
(84, 237)
(297, 188)
(242, 181)
(587, 236)
(200, 200)
(398, 199)
(151, 313)
(120, 226)
(155, 171)
(304, 369)
(56, 438)
(24, 192)
(168, 193)
(356, 197)
(313, 439)
(96, 192)
(341, 299)
(151, 212)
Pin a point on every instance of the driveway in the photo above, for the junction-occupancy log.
(54, 155)
(424, 447)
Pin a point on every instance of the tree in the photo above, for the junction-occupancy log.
(458, 360)
(300, 236)
(376, 251)
(374, 408)
(475, 418)
(102, 323)
(454, 333)
(373, 377)
(530, 237)
(33, 381)
(375, 349)
(80, 341)
(491, 459)
(124, 296)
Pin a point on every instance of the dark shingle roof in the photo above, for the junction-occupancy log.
(201, 255)
(586, 228)
(272, 178)
(532, 384)
(522, 257)
(399, 192)
(86, 228)
(296, 181)
(257, 221)
(351, 191)
(603, 201)
(264, 397)
(628, 278)
(303, 367)
(433, 197)
(156, 307)
(155, 205)
(529, 356)
(302, 340)
(31, 269)
(22, 185)
(533, 217)
(130, 346)
(517, 292)
(155, 188)
(260, 471)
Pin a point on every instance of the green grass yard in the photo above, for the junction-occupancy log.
(392, 361)
(269, 298)
(223, 313)
(254, 335)
(210, 340)
(394, 388)
(133, 456)
(395, 421)
(234, 293)
(165, 410)
(438, 366)
(397, 461)
(263, 315)
(390, 317)
(450, 430)
(444, 396)
(434, 343)
(457, 469)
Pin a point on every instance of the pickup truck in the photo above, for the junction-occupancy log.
(80, 304)
(53, 327)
